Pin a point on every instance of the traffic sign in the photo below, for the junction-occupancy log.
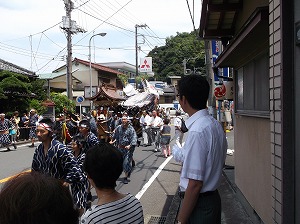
(79, 99)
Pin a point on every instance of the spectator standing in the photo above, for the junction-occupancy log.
(33, 119)
(5, 125)
(126, 139)
(13, 130)
(23, 127)
(178, 131)
(155, 124)
(204, 154)
(16, 120)
(166, 137)
(53, 158)
(103, 165)
(145, 120)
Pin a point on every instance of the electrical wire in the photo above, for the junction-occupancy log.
(187, 2)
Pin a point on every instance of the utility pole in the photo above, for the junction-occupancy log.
(210, 78)
(70, 27)
(136, 49)
(184, 66)
(69, 7)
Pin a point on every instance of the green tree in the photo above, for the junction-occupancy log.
(36, 104)
(138, 79)
(15, 91)
(62, 102)
(168, 60)
(37, 87)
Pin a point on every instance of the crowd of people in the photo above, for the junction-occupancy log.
(102, 148)
(85, 153)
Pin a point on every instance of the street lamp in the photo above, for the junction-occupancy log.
(91, 81)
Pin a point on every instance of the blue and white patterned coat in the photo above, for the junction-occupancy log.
(59, 162)
(5, 125)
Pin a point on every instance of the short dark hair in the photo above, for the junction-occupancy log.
(34, 198)
(177, 113)
(195, 88)
(166, 120)
(104, 165)
(79, 140)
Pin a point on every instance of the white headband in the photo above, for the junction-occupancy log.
(46, 126)
(83, 125)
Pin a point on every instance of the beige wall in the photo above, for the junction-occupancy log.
(253, 163)
(83, 74)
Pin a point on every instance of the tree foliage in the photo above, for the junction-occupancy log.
(19, 92)
(168, 60)
(15, 92)
(37, 88)
(62, 102)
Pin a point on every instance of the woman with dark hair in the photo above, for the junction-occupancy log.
(104, 165)
(34, 198)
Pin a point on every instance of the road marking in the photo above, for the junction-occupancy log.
(8, 178)
(150, 181)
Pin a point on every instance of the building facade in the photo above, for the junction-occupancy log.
(260, 42)
(83, 79)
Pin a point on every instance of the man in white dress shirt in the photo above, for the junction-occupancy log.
(203, 158)
(155, 124)
(145, 120)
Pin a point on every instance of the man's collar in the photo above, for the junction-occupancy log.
(195, 116)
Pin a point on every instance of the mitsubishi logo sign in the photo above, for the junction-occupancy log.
(146, 64)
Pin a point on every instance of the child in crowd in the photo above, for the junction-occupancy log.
(166, 137)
